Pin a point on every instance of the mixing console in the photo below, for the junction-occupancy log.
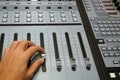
(81, 38)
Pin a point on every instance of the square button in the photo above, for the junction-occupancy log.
(16, 20)
(115, 62)
(63, 19)
(52, 20)
(112, 75)
(4, 20)
(28, 19)
(40, 19)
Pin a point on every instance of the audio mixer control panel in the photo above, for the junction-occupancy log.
(104, 17)
(81, 38)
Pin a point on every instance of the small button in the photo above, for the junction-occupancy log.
(117, 54)
(112, 75)
(109, 48)
(17, 12)
(115, 62)
(16, 20)
(111, 54)
(40, 19)
(50, 12)
(63, 19)
(115, 41)
(118, 48)
(104, 33)
(63, 15)
(102, 29)
(75, 20)
(4, 20)
(114, 48)
(108, 22)
(28, 12)
(107, 29)
(5, 15)
(106, 55)
(99, 22)
(105, 25)
(74, 15)
(103, 22)
(114, 33)
(16, 15)
(72, 11)
(28, 19)
(40, 15)
(113, 22)
(40, 12)
(96, 29)
(118, 22)
(103, 48)
(52, 20)
(109, 33)
(5, 12)
(62, 12)
(95, 26)
(28, 15)
(109, 41)
(101, 25)
(51, 15)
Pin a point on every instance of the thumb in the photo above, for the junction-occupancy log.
(34, 67)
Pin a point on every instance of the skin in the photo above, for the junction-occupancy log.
(14, 63)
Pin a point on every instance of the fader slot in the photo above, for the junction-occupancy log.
(58, 61)
(15, 37)
(2, 36)
(72, 59)
(29, 36)
(86, 59)
(43, 46)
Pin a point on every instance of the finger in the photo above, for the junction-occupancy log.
(6, 50)
(14, 45)
(32, 50)
(5, 53)
(25, 44)
(34, 67)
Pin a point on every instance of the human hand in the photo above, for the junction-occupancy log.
(14, 64)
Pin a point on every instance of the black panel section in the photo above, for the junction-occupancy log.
(15, 37)
(2, 36)
(30, 24)
(43, 46)
(92, 41)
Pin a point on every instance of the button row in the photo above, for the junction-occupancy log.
(111, 54)
(110, 48)
(110, 33)
(87, 5)
(98, 5)
(5, 16)
(108, 22)
(113, 41)
(40, 17)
